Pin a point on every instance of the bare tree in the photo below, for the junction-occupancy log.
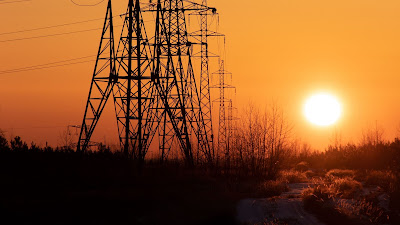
(373, 135)
(261, 140)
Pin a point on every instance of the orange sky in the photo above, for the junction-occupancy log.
(277, 50)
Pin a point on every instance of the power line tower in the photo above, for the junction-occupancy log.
(127, 76)
(104, 78)
(204, 33)
(153, 85)
(173, 66)
(134, 91)
(230, 126)
(224, 118)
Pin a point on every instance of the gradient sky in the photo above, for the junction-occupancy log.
(280, 51)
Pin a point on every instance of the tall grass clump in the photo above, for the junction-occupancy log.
(347, 188)
(301, 166)
(292, 176)
(383, 179)
(338, 173)
(362, 211)
(272, 188)
(341, 202)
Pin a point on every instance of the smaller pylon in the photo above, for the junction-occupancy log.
(202, 36)
(223, 131)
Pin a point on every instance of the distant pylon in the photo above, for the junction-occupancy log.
(205, 98)
(223, 130)
(203, 34)
(173, 67)
(229, 126)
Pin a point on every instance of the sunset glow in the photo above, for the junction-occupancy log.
(322, 109)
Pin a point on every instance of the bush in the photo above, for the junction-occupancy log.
(340, 173)
(362, 211)
(383, 179)
(272, 188)
(347, 188)
(291, 176)
(319, 200)
(3, 142)
(301, 166)
(310, 174)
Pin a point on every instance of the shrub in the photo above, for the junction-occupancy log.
(362, 211)
(321, 201)
(272, 188)
(301, 166)
(3, 141)
(310, 174)
(291, 176)
(318, 199)
(383, 179)
(347, 188)
(340, 173)
(280, 221)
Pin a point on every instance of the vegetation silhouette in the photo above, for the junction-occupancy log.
(46, 185)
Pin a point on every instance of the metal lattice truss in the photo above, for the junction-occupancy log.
(224, 127)
(104, 77)
(153, 84)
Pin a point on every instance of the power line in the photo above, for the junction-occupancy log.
(52, 35)
(22, 128)
(43, 67)
(48, 27)
(46, 64)
(17, 1)
(49, 35)
(87, 5)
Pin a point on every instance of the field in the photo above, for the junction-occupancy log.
(61, 186)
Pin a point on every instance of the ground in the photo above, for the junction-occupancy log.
(288, 207)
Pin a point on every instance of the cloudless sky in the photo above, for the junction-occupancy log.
(281, 51)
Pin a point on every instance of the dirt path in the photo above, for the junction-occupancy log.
(288, 207)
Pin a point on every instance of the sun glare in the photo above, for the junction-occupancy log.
(322, 109)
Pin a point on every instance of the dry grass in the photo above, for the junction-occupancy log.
(347, 188)
(272, 188)
(292, 176)
(275, 221)
(310, 174)
(320, 192)
(362, 210)
(301, 166)
(340, 201)
(338, 173)
(383, 179)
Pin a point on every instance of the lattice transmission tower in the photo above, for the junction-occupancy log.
(224, 118)
(203, 35)
(153, 83)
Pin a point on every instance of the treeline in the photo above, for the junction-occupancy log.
(260, 144)
(368, 156)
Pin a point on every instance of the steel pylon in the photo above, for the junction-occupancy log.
(223, 118)
(104, 78)
(134, 91)
(153, 83)
(174, 70)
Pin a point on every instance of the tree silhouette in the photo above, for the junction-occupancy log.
(3, 142)
(18, 145)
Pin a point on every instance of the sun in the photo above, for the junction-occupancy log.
(322, 109)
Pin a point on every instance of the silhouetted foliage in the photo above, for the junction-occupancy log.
(18, 145)
(101, 178)
(3, 142)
